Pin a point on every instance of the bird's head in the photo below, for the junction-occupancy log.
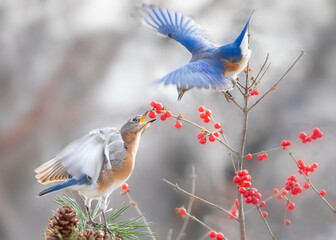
(135, 126)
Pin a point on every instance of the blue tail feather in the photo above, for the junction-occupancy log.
(73, 181)
(240, 38)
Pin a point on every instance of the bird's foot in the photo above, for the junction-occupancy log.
(228, 96)
(92, 223)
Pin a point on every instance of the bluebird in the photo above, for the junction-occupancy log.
(211, 65)
(96, 164)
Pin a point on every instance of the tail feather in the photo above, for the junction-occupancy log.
(241, 36)
(71, 182)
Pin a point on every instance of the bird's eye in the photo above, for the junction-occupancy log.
(134, 120)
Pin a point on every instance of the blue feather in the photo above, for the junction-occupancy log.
(241, 36)
(73, 181)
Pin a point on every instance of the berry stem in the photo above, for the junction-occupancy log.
(200, 127)
(285, 216)
(132, 202)
(182, 234)
(266, 223)
(282, 77)
(262, 67)
(312, 185)
(176, 187)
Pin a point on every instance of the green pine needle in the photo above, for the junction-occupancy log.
(128, 229)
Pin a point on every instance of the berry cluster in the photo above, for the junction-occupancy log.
(253, 92)
(262, 156)
(205, 114)
(202, 137)
(158, 108)
(315, 135)
(292, 185)
(305, 169)
(285, 144)
(218, 236)
(243, 179)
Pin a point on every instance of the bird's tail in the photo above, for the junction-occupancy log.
(73, 181)
(241, 36)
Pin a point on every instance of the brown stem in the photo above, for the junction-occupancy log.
(262, 67)
(266, 223)
(285, 217)
(312, 186)
(176, 186)
(282, 77)
(186, 220)
(135, 204)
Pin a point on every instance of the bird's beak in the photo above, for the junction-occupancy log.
(142, 120)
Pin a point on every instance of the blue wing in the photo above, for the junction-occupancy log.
(204, 73)
(174, 25)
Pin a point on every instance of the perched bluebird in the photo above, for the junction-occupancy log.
(211, 65)
(96, 164)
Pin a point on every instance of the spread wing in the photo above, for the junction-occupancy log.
(203, 73)
(86, 156)
(174, 25)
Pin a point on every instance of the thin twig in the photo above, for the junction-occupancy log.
(233, 100)
(176, 186)
(135, 204)
(186, 220)
(202, 128)
(266, 223)
(262, 67)
(227, 142)
(282, 77)
(285, 216)
(170, 234)
(311, 184)
(199, 221)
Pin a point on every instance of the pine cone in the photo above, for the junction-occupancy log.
(63, 222)
(90, 234)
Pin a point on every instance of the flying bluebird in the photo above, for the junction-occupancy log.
(96, 164)
(211, 65)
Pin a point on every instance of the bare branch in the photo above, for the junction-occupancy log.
(282, 77)
(262, 67)
(266, 223)
(186, 221)
(233, 100)
(199, 198)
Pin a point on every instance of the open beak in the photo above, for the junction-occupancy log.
(142, 120)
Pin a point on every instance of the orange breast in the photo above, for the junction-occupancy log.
(119, 174)
(232, 66)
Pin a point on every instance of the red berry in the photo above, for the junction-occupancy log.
(287, 222)
(316, 130)
(255, 201)
(279, 197)
(256, 92)
(217, 126)
(289, 143)
(153, 104)
(260, 157)
(250, 90)
(201, 109)
(275, 190)
(265, 214)
(216, 134)
(159, 106)
(258, 195)
(315, 165)
(163, 117)
(124, 187)
(203, 115)
(236, 179)
(245, 71)
(212, 138)
(306, 185)
(309, 139)
(206, 119)
(248, 184)
(168, 114)
(291, 206)
(250, 70)
(262, 204)
(208, 112)
(182, 211)
(265, 155)
(302, 135)
(323, 193)
(249, 156)
(202, 141)
(244, 172)
(242, 190)
(178, 124)
(220, 236)
(212, 234)
(200, 135)
(284, 143)
(151, 114)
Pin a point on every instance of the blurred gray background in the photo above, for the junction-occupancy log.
(67, 67)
